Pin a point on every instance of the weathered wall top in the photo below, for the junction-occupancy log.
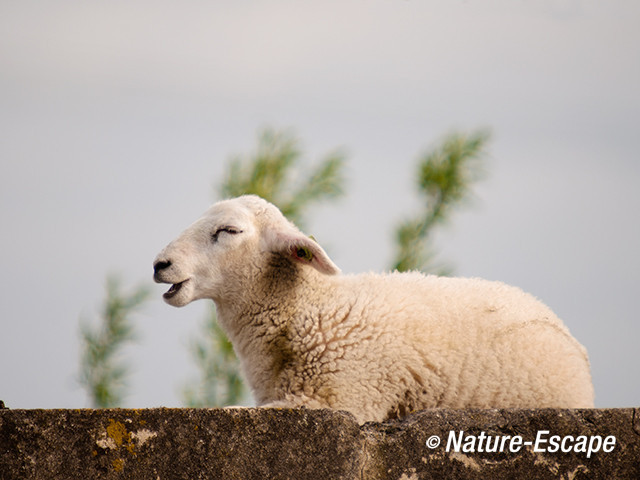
(161, 444)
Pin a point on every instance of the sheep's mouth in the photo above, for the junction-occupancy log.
(174, 289)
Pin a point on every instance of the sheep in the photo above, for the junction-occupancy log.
(377, 345)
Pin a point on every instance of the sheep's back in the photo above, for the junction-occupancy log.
(482, 343)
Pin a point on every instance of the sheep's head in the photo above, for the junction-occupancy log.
(232, 242)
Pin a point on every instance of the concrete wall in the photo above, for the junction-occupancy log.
(159, 444)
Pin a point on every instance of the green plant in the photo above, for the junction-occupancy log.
(276, 173)
(103, 373)
(445, 177)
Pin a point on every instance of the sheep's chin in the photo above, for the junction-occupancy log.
(179, 294)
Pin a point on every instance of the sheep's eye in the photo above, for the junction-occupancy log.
(229, 230)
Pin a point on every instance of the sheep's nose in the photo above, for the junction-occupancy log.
(159, 266)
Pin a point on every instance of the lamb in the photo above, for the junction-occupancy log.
(377, 345)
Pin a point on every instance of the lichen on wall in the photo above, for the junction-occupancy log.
(124, 442)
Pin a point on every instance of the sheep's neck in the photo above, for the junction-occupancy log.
(265, 292)
(262, 325)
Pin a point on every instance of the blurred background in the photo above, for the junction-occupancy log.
(118, 121)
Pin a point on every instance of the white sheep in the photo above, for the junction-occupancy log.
(377, 345)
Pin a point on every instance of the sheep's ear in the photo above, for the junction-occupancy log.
(304, 250)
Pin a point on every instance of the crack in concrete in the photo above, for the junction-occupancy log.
(364, 454)
(635, 422)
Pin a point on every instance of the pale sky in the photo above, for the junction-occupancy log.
(117, 119)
